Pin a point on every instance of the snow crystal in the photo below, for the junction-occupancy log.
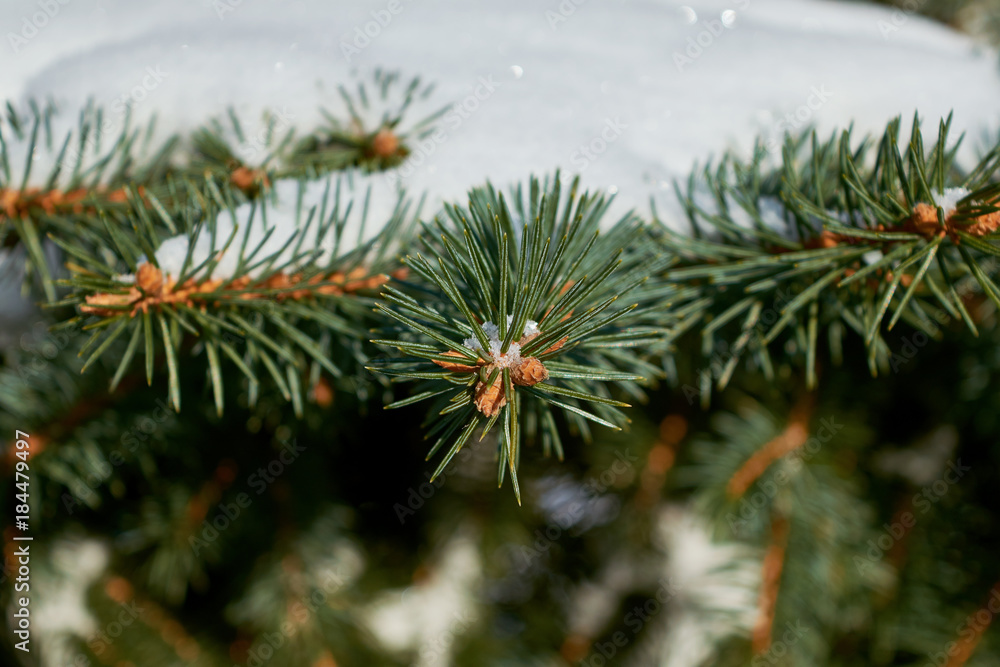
(948, 200)
(872, 256)
(531, 328)
(492, 331)
(510, 360)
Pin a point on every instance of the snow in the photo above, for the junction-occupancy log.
(299, 215)
(948, 200)
(620, 91)
(425, 619)
(512, 358)
(713, 588)
(705, 592)
(604, 89)
(60, 616)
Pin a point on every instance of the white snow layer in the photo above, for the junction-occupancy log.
(299, 217)
(629, 94)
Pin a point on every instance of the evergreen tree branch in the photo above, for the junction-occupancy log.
(842, 236)
(508, 287)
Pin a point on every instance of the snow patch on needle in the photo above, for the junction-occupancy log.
(948, 200)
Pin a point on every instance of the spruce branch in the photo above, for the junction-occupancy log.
(373, 136)
(802, 511)
(372, 133)
(842, 236)
(86, 170)
(153, 629)
(272, 286)
(515, 311)
(53, 186)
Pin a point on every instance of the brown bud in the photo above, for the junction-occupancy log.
(529, 372)
(489, 399)
(245, 178)
(385, 143)
(149, 278)
(924, 220)
(984, 224)
(117, 196)
(9, 199)
(96, 304)
(828, 239)
(118, 589)
(323, 393)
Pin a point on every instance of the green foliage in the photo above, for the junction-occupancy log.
(780, 259)
(828, 243)
(352, 142)
(86, 167)
(541, 259)
(108, 164)
(282, 311)
(824, 522)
